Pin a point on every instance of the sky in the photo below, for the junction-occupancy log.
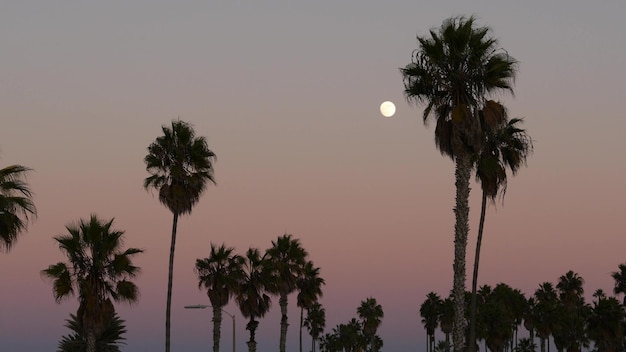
(287, 94)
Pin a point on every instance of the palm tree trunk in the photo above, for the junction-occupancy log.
(91, 342)
(170, 277)
(217, 328)
(301, 323)
(252, 343)
(461, 228)
(472, 332)
(283, 321)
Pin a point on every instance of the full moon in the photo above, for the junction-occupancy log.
(387, 109)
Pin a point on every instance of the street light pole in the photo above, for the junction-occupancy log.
(204, 306)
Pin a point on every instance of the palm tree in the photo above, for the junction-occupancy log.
(180, 166)
(371, 314)
(16, 204)
(446, 317)
(429, 311)
(605, 324)
(315, 322)
(525, 345)
(620, 281)
(309, 287)
(452, 72)
(221, 274)
(251, 295)
(98, 269)
(108, 341)
(573, 312)
(286, 259)
(505, 146)
(544, 313)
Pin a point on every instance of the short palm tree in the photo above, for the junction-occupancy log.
(251, 297)
(505, 146)
(371, 314)
(108, 341)
(429, 311)
(451, 73)
(285, 260)
(620, 281)
(16, 204)
(99, 271)
(315, 322)
(309, 286)
(180, 166)
(221, 274)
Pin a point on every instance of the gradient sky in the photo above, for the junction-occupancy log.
(287, 94)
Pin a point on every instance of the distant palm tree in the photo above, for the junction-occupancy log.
(506, 146)
(525, 345)
(180, 166)
(309, 286)
(98, 269)
(16, 204)
(605, 324)
(544, 316)
(620, 281)
(452, 72)
(429, 311)
(108, 341)
(315, 322)
(572, 313)
(371, 314)
(251, 296)
(221, 274)
(446, 317)
(286, 259)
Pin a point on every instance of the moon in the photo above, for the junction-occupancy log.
(387, 108)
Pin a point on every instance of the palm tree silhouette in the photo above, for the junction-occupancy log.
(16, 204)
(371, 314)
(221, 274)
(251, 296)
(620, 281)
(98, 269)
(180, 166)
(285, 259)
(429, 311)
(315, 322)
(309, 287)
(544, 313)
(452, 72)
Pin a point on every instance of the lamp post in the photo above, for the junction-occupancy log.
(204, 306)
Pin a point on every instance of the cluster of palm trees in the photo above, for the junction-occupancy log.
(453, 72)
(557, 313)
(282, 270)
(357, 335)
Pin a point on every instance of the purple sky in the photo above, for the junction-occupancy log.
(287, 96)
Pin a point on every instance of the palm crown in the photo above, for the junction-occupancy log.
(16, 204)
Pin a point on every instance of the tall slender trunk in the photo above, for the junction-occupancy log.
(472, 332)
(312, 344)
(252, 327)
(301, 323)
(170, 277)
(91, 341)
(283, 321)
(461, 228)
(217, 328)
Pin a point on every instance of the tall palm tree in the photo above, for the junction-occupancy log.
(98, 269)
(371, 314)
(180, 166)
(286, 259)
(252, 298)
(620, 281)
(505, 146)
(16, 204)
(315, 322)
(221, 274)
(309, 287)
(429, 311)
(451, 73)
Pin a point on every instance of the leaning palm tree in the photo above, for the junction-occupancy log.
(16, 204)
(371, 314)
(309, 286)
(285, 259)
(620, 281)
(315, 322)
(180, 166)
(221, 274)
(98, 269)
(451, 73)
(251, 297)
(505, 146)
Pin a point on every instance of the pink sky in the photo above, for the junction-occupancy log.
(287, 96)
